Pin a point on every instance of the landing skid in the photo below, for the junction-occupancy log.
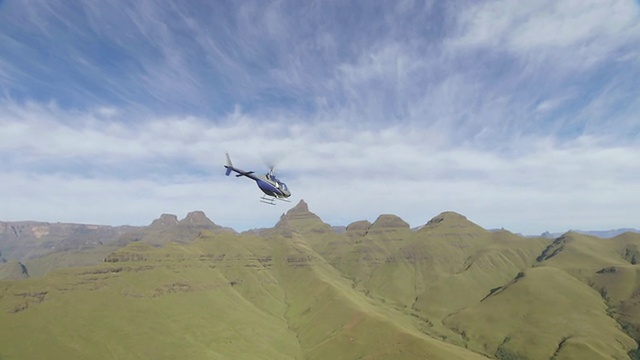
(268, 200)
(271, 200)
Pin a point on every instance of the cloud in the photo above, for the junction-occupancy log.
(577, 33)
(410, 63)
(546, 62)
(175, 165)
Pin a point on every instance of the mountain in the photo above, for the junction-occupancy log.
(30, 239)
(599, 233)
(167, 229)
(44, 247)
(300, 220)
(300, 290)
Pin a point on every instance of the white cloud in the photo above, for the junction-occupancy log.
(345, 176)
(576, 33)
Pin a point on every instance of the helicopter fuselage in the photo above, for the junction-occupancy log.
(268, 183)
(271, 186)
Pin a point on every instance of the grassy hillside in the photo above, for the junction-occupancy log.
(46, 247)
(380, 290)
(448, 265)
(13, 270)
(40, 266)
(543, 313)
(222, 297)
(609, 266)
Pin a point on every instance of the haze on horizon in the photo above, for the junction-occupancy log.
(521, 116)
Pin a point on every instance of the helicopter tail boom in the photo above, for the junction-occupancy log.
(229, 165)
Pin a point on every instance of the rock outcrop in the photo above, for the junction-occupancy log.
(358, 228)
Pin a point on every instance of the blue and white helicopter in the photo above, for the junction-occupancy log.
(273, 188)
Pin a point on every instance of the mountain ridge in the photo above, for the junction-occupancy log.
(42, 230)
(30, 241)
(300, 290)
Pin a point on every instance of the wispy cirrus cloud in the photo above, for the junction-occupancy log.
(555, 60)
(573, 34)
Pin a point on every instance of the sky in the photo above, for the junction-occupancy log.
(517, 115)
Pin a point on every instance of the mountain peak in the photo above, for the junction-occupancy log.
(447, 216)
(197, 218)
(301, 211)
(450, 219)
(300, 208)
(300, 218)
(165, 220)
(389, 221)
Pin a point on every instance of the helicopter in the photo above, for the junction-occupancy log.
(272, 187)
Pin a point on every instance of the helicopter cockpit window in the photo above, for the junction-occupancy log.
(284, 186)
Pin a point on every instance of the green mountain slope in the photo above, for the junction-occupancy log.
(448, 265)
(609, 266)
(224, 296)
(543, 313)
(451, 290)
(12, 270)
(48, 247)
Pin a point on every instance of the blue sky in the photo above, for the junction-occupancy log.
(516, 115)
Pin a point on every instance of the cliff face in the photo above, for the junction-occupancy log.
(44, 247)
(24, 240)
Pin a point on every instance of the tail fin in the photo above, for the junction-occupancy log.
(229, 165)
